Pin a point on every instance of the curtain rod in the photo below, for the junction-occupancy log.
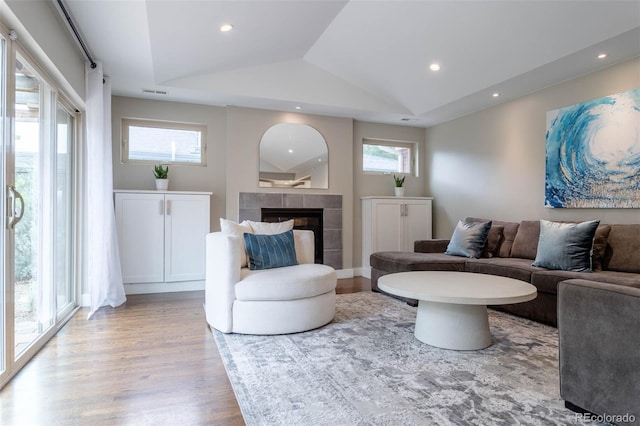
(76, 33)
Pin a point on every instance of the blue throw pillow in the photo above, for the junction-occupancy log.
(468, 239)
(566, 246)
(270, 251)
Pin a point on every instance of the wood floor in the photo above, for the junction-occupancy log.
(152, 361)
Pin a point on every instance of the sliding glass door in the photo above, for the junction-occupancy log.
(31, 206)
(63, 203)
(39, 140)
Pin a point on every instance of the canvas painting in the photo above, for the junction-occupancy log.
(593, 153)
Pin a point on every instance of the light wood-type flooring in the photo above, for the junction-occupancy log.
(152, 361)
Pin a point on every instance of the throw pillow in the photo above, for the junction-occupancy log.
(238, 229)
(269, 228)
(468, 239)
(599, 247)
(525, 244)
(270, 251)
(494, 239)
(566, 246)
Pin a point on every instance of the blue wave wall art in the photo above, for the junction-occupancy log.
(593, 153)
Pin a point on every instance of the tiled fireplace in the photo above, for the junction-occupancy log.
(251, 206)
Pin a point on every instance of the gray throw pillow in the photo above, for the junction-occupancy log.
(566, 246)
(468, 239)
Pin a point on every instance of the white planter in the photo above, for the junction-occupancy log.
(399, 191)
(162, 184)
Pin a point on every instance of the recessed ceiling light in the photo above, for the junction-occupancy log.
(298, 107)
(290, 151)
(226, 27)
(496, 94)
(602, 56)
(434, 67)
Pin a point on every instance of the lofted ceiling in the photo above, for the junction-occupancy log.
(368, 60)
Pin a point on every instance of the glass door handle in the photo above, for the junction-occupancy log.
(14, 216)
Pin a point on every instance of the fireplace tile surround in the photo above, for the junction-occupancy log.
(251, 203)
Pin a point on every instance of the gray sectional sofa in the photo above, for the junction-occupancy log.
(597, 313)
(599, 340)
(510, 251)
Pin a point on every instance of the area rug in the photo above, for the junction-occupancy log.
(367, 368)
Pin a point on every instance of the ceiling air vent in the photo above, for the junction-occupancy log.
(409, 119)
(154, 92)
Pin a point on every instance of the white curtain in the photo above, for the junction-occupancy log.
(104, 272)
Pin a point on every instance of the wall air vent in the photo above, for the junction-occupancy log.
(154, 92)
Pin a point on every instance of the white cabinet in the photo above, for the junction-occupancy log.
(393, 224)
(161, 238)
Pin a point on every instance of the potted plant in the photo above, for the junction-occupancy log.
(399, 181)
(162, 177)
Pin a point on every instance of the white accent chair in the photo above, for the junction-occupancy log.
(282, 300)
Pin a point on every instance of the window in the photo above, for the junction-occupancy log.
(163, 142)
(387, 156)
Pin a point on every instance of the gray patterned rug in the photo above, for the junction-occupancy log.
(366, 368)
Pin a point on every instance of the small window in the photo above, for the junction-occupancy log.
(163, 142)
(387, 156)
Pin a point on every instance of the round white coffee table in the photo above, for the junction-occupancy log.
(452, 307)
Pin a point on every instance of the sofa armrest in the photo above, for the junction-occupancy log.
(222, 266)
(430, 246)
(304, 245)
(599, 346)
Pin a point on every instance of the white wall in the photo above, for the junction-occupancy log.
(42, 31)
(366, 184)
(492, 163)
(211, 177)
(245, 127)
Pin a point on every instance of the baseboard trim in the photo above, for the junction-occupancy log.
(365, 272)
(344, 273)
(148, 288)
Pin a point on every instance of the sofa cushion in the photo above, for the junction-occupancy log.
(402, 261)
(566, 246)
(599, 247)
(519, 269)
(623, 249)
(468, 239)
(287, 283)
(508, 235)
(270, 251)
(525, 245)
(547, 280)
(430, 246)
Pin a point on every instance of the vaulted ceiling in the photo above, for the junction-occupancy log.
(369, 60)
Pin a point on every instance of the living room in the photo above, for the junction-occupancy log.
(487, 162)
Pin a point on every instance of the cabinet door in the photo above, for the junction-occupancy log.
(140, 222)
(388, 227)
(417, 221)
(186, 225)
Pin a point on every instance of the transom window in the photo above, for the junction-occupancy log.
(383, 156)
(163, 142)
